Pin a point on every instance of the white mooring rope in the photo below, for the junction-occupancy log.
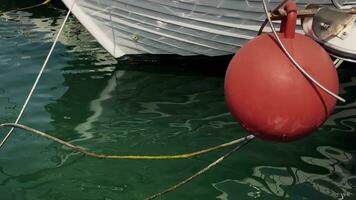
(338, 62)
(300, 68)
(38, 76)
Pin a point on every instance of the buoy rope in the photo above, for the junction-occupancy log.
(38, 76)
(185, 181)
(300, 68)
(136, 157)
(28, 7)
(338, 62)
(280, 5)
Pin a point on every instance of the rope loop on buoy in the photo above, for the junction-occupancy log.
(286, 52)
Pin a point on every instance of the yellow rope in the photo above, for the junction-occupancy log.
(135, 157)
(194, 176)
(29, 7)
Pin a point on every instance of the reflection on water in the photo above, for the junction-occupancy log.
(144, 105)
(97, 108)
(344, 117)
(329, 176)
(333, 181)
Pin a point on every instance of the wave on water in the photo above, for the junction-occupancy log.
(332, 181)
(344, 116)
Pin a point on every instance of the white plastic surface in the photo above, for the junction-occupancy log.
(341, 48)
(193, 27)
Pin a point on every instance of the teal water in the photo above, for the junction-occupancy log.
(147, 105)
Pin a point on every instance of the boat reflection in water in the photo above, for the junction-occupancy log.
(159, 106)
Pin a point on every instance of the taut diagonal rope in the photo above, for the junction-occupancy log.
(38, 77)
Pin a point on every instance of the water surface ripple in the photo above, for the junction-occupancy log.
(145, 105)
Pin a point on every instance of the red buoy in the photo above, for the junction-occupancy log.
(269, 96)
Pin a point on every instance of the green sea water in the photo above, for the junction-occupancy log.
(147, 105)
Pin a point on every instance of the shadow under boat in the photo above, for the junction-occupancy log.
(89, 86)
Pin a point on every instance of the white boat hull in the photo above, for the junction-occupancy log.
(183, 27)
